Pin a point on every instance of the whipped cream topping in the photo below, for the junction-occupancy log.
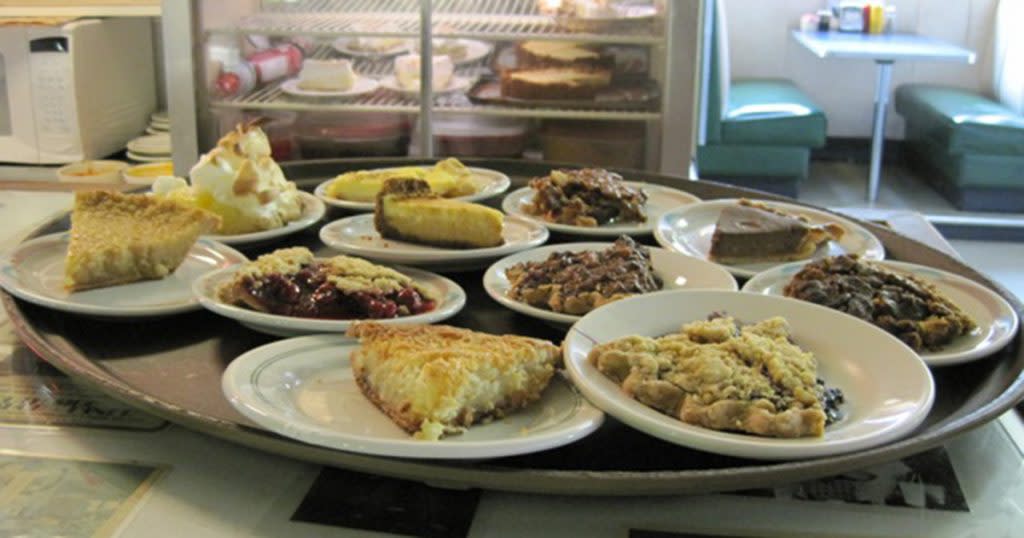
(240, 173)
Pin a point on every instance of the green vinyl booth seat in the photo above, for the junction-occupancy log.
(763, 139)
(970, 147)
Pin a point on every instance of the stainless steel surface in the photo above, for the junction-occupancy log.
(171, 368)
(178, 26)
(707, 19)
(882, 87)
(890, 47)
(426, 142)
(682, 100)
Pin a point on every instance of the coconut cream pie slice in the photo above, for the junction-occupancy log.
(119, 238)
(434, 380)
(239, 181)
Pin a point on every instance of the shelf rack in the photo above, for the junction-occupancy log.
(496, 20)
(272, 98)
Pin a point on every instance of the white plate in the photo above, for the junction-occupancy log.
(475, 51)
(34, 271)
(356, 235)
(147, 158)
(312, 211)
(997, 320)
(489, 183)
(361, 86)
(888, 388)
(160, 116)
(149, 145)
(155, 129)
(456, 84)
(451, 299)
(689, 230)
(342, 45)
(676, 271)
(659, 200)
(303, 388)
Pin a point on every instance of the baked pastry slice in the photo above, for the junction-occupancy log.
(407, 210)
(292, 282)
(434, 380)
(908, 307)
(586, 197)
(555, 83)
(751, 232)
(719, 375)
(119, 238)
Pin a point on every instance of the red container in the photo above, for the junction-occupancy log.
(326, 136)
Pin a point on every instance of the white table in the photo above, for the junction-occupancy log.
(884, 50)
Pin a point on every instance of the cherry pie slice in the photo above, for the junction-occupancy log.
(292, 282)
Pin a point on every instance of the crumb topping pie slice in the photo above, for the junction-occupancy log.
(292, 282)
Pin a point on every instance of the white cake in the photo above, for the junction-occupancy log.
(407, 71)
(327, 75)
(379, 44)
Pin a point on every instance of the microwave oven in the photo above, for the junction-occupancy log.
(76, 91)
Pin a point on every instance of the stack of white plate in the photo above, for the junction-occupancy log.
(150, 148)
(159, 122)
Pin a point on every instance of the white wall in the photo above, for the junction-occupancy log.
(761, 46)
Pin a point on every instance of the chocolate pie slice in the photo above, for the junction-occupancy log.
(910, 308)
(751, 232)
(588, 197)
(291, 282)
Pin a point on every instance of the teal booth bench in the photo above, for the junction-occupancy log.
(969, 147)
(758, 133)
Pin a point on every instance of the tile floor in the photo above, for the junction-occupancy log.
(843, 184)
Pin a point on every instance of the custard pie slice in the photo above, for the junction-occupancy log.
(119, 238)
(433, 380)
(407, 210)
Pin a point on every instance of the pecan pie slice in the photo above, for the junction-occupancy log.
(291, 282)
(903, 305)
(578, 282)
(588, 197)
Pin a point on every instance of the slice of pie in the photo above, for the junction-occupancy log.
(906, 306)
(586, 197)
(407, 210)
(434, 380)
(542, 54)
(292, 282)
(118, 238)
(751, 232)
(723, 376)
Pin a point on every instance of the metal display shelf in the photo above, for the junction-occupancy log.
(272, 98)
(496, 20)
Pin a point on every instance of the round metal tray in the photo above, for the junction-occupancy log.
(171, 367)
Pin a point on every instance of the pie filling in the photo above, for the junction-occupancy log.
(588, 197)
(721, 375)
(907, 307)
(290, 282)
(577, 282)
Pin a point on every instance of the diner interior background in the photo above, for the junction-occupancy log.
(759, 45)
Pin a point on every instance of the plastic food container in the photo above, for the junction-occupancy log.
(92, 172)
(326, 136)
(594, 143)
(464, 135)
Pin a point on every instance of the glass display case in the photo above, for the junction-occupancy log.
(598, 82)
